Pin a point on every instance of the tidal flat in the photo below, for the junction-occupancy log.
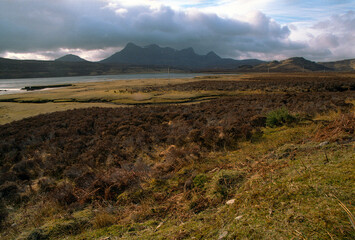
(102, 94)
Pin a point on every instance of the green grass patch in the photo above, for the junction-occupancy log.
(279, 117)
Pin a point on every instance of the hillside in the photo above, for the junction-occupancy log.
(343, 65)
(262, 156)
(295, 64)
(10, 68)
(70, 58)
(153, 55)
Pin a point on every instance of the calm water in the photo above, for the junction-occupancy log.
(8, 86)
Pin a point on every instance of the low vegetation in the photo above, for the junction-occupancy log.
(279, 117)
(267, 165)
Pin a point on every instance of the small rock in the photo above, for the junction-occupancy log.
(238, 217)
(322, 144)
(188, 185)
(230, 202)
(105, 238)
(222, 235)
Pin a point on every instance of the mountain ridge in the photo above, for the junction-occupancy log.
(300, 64)
(187, 58)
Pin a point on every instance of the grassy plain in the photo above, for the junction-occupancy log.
(136, 92)
(102, 94)
(212, 169)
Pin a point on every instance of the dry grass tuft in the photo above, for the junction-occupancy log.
(348, 212)
(341, 128)
(103, 219)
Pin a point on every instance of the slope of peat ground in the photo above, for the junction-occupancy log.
(276, 162)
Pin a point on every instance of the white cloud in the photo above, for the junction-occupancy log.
(90, 55)
(330, 39)
(24, 56)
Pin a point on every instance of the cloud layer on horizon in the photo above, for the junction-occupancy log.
(95, 29)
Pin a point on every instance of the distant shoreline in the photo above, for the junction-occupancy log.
(33, 88)
(28, 84)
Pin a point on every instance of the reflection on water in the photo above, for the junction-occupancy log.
(10, 90)
(9, 86)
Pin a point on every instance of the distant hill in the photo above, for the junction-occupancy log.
(347, 65)
(295, 64)
(10, 68)
(70, 58)
(153, 55)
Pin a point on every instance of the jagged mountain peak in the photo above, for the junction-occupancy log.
(212, 54)
(130, 45)
(154, 46)
(188, 50)
(187, 58)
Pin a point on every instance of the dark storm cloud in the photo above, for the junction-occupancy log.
(34, 25)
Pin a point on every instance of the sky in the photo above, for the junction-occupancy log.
(319, 30)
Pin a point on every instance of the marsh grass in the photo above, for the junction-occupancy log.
(103, 219)
(11, 111)
(279, 181)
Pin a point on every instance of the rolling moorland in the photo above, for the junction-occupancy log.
(257, 156)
